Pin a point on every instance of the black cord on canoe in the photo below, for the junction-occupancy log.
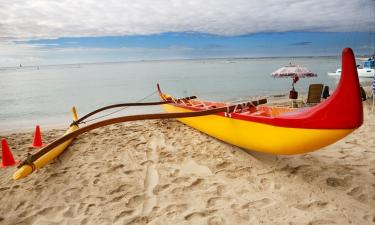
(83, 118)
(116, 111)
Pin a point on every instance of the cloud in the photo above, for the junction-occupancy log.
(213, 46)
(12, 54)
(22, 19)
(302, 43)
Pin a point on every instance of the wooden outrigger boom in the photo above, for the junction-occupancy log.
(32, 161)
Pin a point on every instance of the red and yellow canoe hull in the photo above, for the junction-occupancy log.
(278, 130)
(261, 137)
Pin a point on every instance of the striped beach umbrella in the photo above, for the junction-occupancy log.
(296, 72)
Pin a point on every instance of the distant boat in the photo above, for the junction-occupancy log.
(365, 71)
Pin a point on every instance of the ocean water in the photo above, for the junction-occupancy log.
(44, 95)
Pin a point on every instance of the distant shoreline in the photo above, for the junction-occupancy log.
(166, 60)
(176, 60)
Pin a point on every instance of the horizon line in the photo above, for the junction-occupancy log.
(172, 59)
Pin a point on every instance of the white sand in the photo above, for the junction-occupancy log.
(163, 172)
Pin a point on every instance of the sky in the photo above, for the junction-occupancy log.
(43, 32)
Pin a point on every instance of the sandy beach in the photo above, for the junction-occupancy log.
(104, 81)
(163, 172)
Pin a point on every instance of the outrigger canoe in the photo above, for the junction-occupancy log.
(249, 125)
(281, 130)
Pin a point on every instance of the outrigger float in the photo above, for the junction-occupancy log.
(249, 125)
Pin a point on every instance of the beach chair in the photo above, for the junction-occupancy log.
(315, 94)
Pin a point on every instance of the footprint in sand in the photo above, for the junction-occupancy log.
(98, 175)
(295, 169)
(216, 202)
(129, 172)
(265, 184)
(139, 220)
(220, 190)
(178, 190)
(199, 215)
(69, 212)
(336, 182)
(215, 220)
(120, 188)
(71, 193)
(96, 181)
(123, 214)
(321, 222)
(115, 168)
(259, 204)
(195, 184)
(46, 211)
(175, 173)
(80, 208)
(118, 198)
(370, 218)
(135, 201)
(159, 188)
(316, 205)
(4, 189)
(343, 170)
(175, 209)
(192, 167)
(22, 214)
(357, 193)
(22, 203)
(88, 209)
(180, 180)
(222, 165)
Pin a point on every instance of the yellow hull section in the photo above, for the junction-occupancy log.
(262, 137)
(46, 158)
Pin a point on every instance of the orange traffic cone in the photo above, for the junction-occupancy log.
(37, 143)
(8, 159)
